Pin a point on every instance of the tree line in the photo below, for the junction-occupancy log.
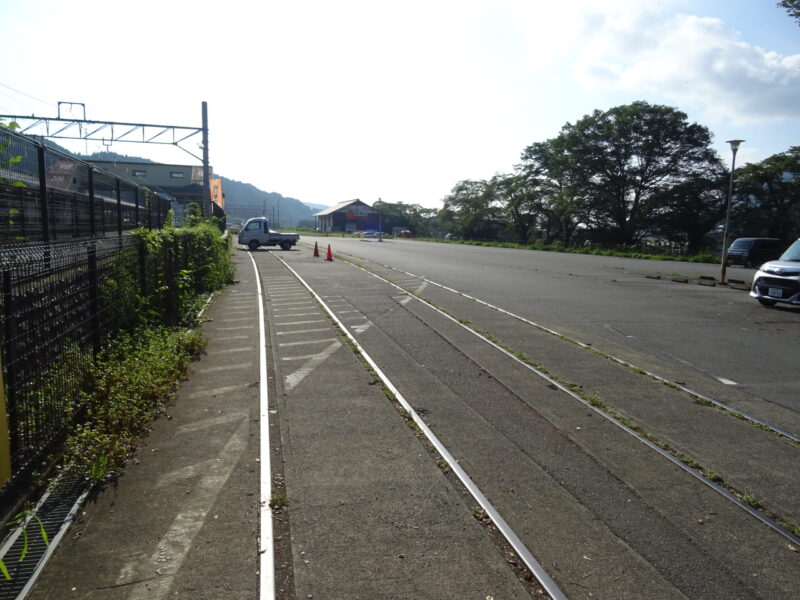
(631, 174)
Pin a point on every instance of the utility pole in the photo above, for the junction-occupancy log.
(206, 206)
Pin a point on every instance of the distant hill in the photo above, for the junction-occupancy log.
(242, 200)
(316, 207)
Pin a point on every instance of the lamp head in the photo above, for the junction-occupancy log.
(735, 144)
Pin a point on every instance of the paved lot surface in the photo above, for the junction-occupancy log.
(365, 509)
(370, 513)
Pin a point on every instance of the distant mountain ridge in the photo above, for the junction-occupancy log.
(242, 200)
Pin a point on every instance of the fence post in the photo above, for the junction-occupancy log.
(8, 357)
(172, 282)
(76, 227)
(92, 204)
(119, 209)
(43, 208)
(5, 438)
(142, 268)
(149, 203)
(94, 304)
(136, 210)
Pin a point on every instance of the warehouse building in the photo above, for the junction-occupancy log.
(347, 217)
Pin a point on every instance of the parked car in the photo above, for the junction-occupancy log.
(751, 252)
(779, 280)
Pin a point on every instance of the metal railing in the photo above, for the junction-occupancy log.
(46, 195)
(67, 271)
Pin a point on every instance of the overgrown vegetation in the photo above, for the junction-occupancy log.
(152, 293)
(128, 385)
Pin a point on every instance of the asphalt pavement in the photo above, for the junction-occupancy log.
(360, 509)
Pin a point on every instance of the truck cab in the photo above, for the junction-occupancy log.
(256, 232)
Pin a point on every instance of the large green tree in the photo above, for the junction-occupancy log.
(474, 211)
(549, 168)
(625, 158)
(521, 199)
(768, 197)
(693, 208)
(419, 220)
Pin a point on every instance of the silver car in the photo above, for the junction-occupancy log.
(779, 280)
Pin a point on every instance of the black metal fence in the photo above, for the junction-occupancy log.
(46, 196)
(69, 277)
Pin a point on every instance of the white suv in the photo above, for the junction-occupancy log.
(779, 280)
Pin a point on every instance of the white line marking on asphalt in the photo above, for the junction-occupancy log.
(266, 550)
(236, 337)
(544, 578)
(228, 351)
(687, 469)
(293, 306)
(301, 322)
(292, 380)
(317, 330)
(218, 391)
(285, 296)
(226, 320)
(361, 328)
(325, 341)
(178, 540)
(726, 381)
(173, 477)
(212, 422)
(303, 357)
(245, 365)
(239, 328)
(300, 314)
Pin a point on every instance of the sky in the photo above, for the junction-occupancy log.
(328, 101)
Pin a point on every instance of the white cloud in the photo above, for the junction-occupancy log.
(696, 62)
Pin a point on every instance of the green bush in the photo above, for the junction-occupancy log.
(128, 385)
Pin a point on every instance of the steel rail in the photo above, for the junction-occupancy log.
(621, 361)
(677, 462)
(503, 527)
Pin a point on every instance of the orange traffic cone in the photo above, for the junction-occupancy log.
(316, 249)
(330, 254)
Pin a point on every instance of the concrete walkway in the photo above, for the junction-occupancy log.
(362, 511)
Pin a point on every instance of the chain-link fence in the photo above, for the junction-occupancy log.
(70, 276)
(46, 196)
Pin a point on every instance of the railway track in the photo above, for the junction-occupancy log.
(490, 391)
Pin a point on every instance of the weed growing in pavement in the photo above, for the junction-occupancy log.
(711, 475)
(20, 521)
(753, 501)
(277, 501)
(790, 527)
(409, 419)
(479, 513)
(128, 385)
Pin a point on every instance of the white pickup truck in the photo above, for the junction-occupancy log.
(255, 233)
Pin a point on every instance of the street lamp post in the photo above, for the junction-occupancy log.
(734, 147)
(380, 227)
